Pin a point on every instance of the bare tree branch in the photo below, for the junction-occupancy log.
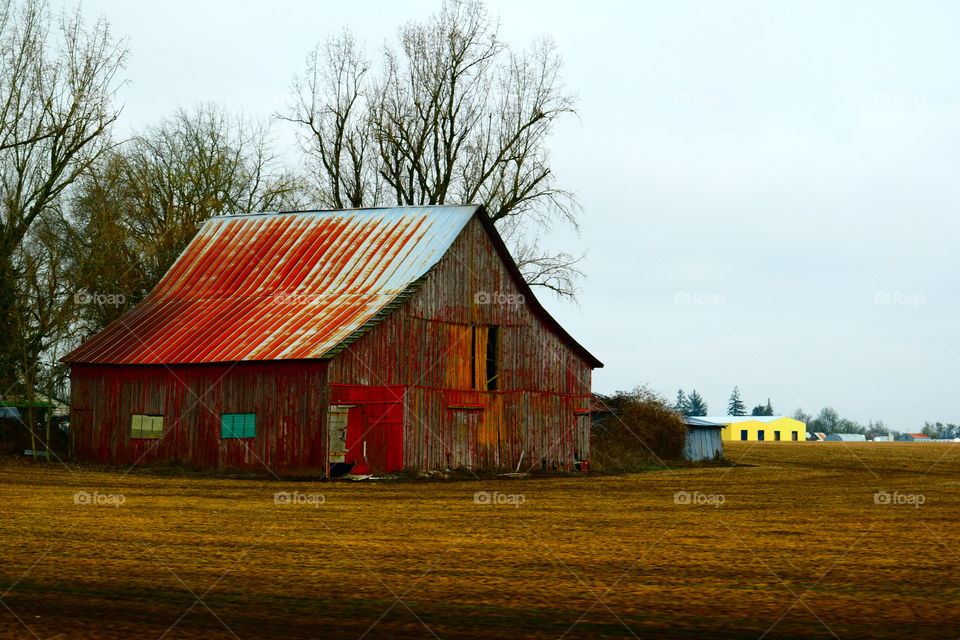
(452, 116)
(57, 85)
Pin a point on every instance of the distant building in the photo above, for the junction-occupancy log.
(913, 437)
(882, 439)
(846, 437)
(704, 440)
(757, 428)
(816, 436)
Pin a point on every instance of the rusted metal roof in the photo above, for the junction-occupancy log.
(278, 286)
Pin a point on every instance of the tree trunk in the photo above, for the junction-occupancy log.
(8, 322)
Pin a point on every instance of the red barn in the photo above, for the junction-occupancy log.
(371, 340)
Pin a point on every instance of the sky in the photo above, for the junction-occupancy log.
(769, 189)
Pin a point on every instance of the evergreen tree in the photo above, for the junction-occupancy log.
(736, 406)
(682, 405)
(763, 409)
(695, 405)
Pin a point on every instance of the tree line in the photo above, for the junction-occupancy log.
(89, 223)
(828, 420)
(693, 404)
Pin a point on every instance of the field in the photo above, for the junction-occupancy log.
(793, 542)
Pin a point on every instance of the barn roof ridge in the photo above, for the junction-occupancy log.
(283, 212)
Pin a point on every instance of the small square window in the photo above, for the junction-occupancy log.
(146, 427)
(238, 425)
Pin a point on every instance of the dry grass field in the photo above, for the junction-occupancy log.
(790, 543)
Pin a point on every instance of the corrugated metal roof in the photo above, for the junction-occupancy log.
(699, 421)
(846, 437)
(278, 286)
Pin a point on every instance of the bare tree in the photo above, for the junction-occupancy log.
(56, 89)
(135, 211)
(453, 116)
(330, 104)
(45, 309)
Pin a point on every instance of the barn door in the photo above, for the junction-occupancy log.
(582, 436)
(374, 439)
(337, 419)
(463, 438)
(357, 440)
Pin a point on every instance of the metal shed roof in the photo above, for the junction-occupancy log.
(699, 421)
(846, 437)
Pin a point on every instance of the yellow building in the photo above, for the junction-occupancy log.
(759, 428)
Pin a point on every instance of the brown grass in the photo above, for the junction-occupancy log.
(799, 549)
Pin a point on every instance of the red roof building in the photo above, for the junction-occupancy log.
(323, 341)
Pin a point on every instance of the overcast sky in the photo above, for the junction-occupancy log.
(769, 189)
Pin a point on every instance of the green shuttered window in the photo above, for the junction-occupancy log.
(142, 426)
(238, 425)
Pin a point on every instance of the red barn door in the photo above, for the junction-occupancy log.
(374, 439)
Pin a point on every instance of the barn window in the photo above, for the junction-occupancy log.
(493, 375)
(759, 434)
(238, 425)
(484, 369)
(795, 434)
(146, 426)
(776, 435)
(743, 434)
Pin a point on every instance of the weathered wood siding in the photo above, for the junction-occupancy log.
(425, 348)
(288, 398)
(703, 443)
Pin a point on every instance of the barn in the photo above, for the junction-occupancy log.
(913, 437)
(319, 342)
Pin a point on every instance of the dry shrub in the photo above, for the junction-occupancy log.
(640, 430)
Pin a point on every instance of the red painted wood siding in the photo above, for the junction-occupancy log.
(288, 398)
